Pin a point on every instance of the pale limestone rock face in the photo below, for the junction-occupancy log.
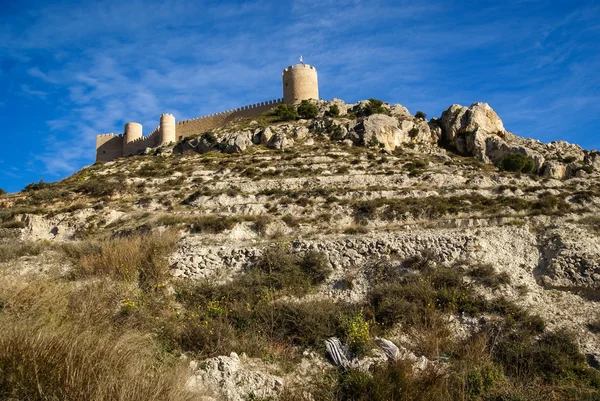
(301, 133)
(400, 111)
(383, 129)
(482, 118)
(391, 132)
(234, 378)
(460, 121)
(554, 169)
(341, 105)
(266, 136)
(280, 141)
(238, 142)
(478, 131)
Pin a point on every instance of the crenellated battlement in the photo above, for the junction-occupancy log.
(299, 83)
(298, 67)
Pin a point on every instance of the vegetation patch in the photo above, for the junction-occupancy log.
(518, 162)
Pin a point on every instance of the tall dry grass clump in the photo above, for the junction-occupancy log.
(67, 362)
(141, 258)
(62, 340)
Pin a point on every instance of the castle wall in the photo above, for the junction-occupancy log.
(200, 125)
(300, 83)
(109, 147)
(150, 141)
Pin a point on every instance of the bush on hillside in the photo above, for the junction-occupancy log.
(421, 115)
(287, 112)
(36, 186)
(334, 111)
(518, 162)
(375, 106)
(2, 192)
(307, 110)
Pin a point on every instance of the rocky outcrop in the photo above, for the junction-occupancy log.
(478, 131)
(554, 169)
(234, 378)
(400, 111)
(570, 259)
(390, 132)
(237, 142)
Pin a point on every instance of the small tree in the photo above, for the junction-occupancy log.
(287, 112)
(36, 186)
(333, 111)
(307, 110)
(2, 192)
(375, 106)
(518, 162)
(421, 115)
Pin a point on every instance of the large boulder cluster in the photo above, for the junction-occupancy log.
(475, 131)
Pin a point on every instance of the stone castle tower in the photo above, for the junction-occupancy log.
(300, 83)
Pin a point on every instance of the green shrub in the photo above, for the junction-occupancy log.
(421, 115)
(518, 162)
(36, 186)
(287, 112)
(13, 224)
(486, 275)
(375, 106)
(99, 187)
(307, 110)
(333, 111)
(2, 192)
(210, 138)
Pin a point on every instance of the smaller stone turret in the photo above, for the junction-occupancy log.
(300, 83)
(132, 132)
(167, 129)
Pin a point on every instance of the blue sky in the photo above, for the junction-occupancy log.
(72, 69)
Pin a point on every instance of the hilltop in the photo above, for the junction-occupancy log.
(221, 263)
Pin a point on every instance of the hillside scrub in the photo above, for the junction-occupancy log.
(518, 162)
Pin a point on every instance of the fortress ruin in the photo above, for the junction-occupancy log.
(299, 83)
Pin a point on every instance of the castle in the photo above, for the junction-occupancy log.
(299, 83)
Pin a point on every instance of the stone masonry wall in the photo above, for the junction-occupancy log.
(109, 147)
(199, 125)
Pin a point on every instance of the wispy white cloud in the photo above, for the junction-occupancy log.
(189, 60)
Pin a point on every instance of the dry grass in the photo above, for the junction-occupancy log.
(141, 258)
(57, 343)
(14, 249)
(66, 362)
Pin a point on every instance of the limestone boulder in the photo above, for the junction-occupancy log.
(460, 125)
(380, 128)
(343, 107)
(390, 132)
(400, 111)
(478, 131)
(554, 169)
(237, 142)
(265, 136)
(280, 141)
(300, 133)
(593, 159)
(235, 378)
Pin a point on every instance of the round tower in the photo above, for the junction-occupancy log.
(300, 83)
(167, 128)
(132, 132)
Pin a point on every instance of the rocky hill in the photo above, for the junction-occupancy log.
(218, 267)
